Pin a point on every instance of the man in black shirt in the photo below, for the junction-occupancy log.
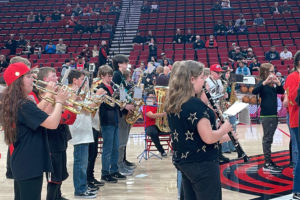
(219, 28)
(138, 39)
(178, 37)
(272, 54)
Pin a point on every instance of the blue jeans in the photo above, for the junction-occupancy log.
(179, 179)
(294, 142)
(296, 188)
(81, 154)
(110, 149)
(228, 146)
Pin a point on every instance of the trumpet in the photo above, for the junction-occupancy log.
(76, 109)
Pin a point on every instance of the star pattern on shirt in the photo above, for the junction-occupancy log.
(184, 155)
(198, 150)
(192, 117)
(204, 148)
(189, 135)
(175, 153)
(205, 114)
(216, 146)
(178, 114)
(175, 134)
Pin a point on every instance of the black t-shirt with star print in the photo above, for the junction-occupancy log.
(186, 141)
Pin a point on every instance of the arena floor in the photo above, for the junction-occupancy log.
(156, 179)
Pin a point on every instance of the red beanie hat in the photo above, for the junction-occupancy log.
(15, 71)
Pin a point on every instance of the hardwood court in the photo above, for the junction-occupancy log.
(156, 179)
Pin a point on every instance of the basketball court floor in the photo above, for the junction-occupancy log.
(155, 178)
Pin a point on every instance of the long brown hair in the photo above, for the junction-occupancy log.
(11, 99)
(264, 70)
(180, 86)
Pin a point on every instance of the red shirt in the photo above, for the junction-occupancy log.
(291, 87)
(149, 121)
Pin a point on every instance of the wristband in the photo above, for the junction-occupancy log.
(59, 102)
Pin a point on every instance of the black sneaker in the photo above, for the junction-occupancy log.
(97, 183)
(130, 164)
(118, 176)
(296, 196)
(61, 198)
(109, 179)
(92, 191)
(86, 195)
(91, 186)
(271, 167)
(164, 154)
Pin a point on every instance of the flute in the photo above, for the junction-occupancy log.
(240, 151)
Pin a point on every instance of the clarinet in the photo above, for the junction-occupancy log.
(240, 151)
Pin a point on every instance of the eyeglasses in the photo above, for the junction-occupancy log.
(272, 71)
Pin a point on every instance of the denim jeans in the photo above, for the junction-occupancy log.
(81, 153)
(203, 183)
(179, 185)
(110, 149)
(269, 125)
(124, 129)
(228, 146)
(294, 142)
(296, 188)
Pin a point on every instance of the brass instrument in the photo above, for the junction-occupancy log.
(223, 103)
(161, 123)
(132, 117)
(76, 109)
(233, 98)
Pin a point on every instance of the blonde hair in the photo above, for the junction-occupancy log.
(180, 86)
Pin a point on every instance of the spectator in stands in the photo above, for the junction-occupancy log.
(237, 55)
(272, 54)
(254, 65)
(232, 50)
(87, 10)
(242, 69)
(139, 71)
(167, 64)
(28, 49)
(138, 39)
(107, 28)
(220, 28)
(39, 17)
(3, 63)
(71, 22)
(50, 48)
(259, 21)
(98, 28)
(48, 18)
(167, 71)
(114, 9)
(216, 6)
(178, 37)
(244, 51)
(90, 28)
(163, 57)
(145, 8)
(242, 29)
(150, 36)
(189, 37)
(240, 21)
(286, 54)
(161, 78)
(61, 48)
(105, 8)
(230, 28)
(97, 9)
(79, 28)
(63, 21)
(198, 44)
(68, 10)
(280, 78)
(72, 63)
(154, 7)
(95, 51)
(86, 52)
(103, 52)
(211, 42)
(21, 42)
(77, 11)
(152, 49)
(56, 16)
(38, 48)
(64, 67)
(225, 4)
(31, 17)
(11, 44)
(250, 55)
(285, 8)
(154, 61)
(81, 64)
(275, 10)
